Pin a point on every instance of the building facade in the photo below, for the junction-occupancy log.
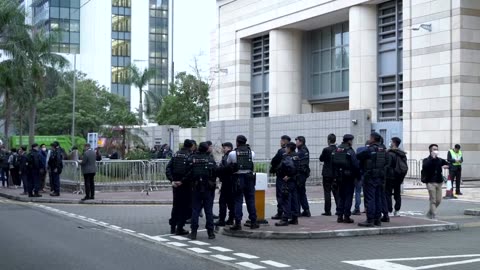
(102, 38)
(414, 65)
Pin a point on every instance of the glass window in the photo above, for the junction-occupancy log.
(316, 63)
(345, 57)
(75, 26)
(74, 48)
(65, 37)
(326, 37)
(337, 39)
(65, 3)
(75, 14)
(326, 88)
(316, 85)
(337, 59)
(326, 64)
(337, 82)
(54, 12)
(54, 3)
(64, 25)
(64, 13)
(75, 3)
(75, 37)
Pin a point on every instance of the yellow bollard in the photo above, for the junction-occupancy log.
(261, 186)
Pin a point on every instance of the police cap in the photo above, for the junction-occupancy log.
(241, 139)
(376, 137)
(203, 147)
(348, 137)
(227, 144)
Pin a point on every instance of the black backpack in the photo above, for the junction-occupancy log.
(401, 167)
(341, 159)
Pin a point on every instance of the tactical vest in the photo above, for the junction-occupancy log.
(298, 163)
(244, 158)
(456, 156)
(378, 160)
(180, 162)
(201, 166)
(341, 158)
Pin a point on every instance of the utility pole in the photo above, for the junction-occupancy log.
(74, 96)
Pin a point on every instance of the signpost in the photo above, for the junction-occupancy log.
(92, 139)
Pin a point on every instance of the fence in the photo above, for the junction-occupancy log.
(150, 175)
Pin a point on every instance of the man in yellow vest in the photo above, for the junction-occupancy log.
(455, 158)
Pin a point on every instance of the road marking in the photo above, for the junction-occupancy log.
(471, 225)
(103, 223)
(160, 239)
(177, 244)
(128, 230)
(200, 243)
(115, 227)
(390, 263)
(245, 255)
(251, 265)
(91, 219)
(82, 217)
(199, 250)
(276, 264)
(223, 258)
(221, 249)
(181, 238)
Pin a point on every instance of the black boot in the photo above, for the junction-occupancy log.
(306, 213)
(385, 219)
(211, 234)
(340, 219)
(282, 223)
(181, 231)
(377, 222)
(278, 216)
(220, 223)
(236, 227)
(229, 222)
(254, 225)
(367, 223)
(172, 229)
(293, 221)
(348, 220)
(193, 235)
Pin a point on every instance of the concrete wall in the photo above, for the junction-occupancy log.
(264, 134)
(158, 135)
(197, 134)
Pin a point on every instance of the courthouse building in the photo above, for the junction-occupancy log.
(407, 68)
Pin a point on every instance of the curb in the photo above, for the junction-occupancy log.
(472, 212)
(342, 233)
(94, 202)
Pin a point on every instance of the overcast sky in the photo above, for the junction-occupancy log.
(194, 21)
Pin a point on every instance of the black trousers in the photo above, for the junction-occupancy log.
(89, 185)
(226, 201)
(393, 188)
(182, 205)
(456, 176)
(329, 187)
(345, 191)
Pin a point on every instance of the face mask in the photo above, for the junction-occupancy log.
(390, 145)
(435, 152)
(44, 149)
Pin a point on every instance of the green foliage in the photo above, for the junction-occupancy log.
(138, 154)
(187, 102)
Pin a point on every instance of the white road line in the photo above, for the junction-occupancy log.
(223, 258)
(435, 266)
(251, 265)
(159, 239)
(82, 217)
(103, 223)
(200, 243)
(276, 264)
(115, 227)
(91, 219)
(221, 249)
(128, 230)
(246, 256)
(177, 244)
(199, 250)
(180, 238)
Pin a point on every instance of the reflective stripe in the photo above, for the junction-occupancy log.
(456, 156)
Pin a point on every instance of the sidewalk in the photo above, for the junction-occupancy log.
(319, 227)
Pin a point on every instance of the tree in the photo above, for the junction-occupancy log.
(140, 79)
(187, 102)
(122, 117)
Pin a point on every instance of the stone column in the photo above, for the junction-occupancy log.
(363, 58)
(285, 72)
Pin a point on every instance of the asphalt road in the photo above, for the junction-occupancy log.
(39, 238)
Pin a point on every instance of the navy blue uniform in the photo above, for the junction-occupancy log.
(55, 163)
(34, 163)
(303, 173)
(289, 199)
(374, 161)
(346, 180)
(201, 171)
(226, 199)
(274, 165)
(328, 178)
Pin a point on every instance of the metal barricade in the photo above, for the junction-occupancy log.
(72, 175)
(156, 174)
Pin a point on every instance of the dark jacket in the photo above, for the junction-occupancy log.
(276, 160)
(89, 162)
(23, 169)
(432, 169)
(4, 155)
(304, 156)
(202, 182)
(56, 160)
(34, 161)
(224, 170)
(287, 166)
(392, 155)
(169, 171)
(326, 158)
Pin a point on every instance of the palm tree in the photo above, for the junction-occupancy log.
(153, 104)
(140, 79)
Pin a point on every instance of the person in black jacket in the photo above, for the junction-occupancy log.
(394, 180)
(274, 165)
(287, 171)
(328, 181)
(181, 188)
(303, 173)
(432, 170)
(225, 173)
(35, 164)
(23, 168)
(55, 164)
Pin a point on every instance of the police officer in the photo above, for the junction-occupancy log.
(274, 165)
(226, 200)
(374, 161)
(288, 171)
(329, 182)
(455, 158)
(201, 172)
(181, 188)
(244, 182)
(34, 164)
(55, 163)
(303, 156)
(346, 167)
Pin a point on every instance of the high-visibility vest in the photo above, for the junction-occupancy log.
(456, 156)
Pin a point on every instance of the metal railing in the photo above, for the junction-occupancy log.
(150, 175)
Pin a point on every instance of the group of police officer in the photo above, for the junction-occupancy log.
(193, 173)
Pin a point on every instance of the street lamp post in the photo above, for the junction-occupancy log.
(74, 96)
